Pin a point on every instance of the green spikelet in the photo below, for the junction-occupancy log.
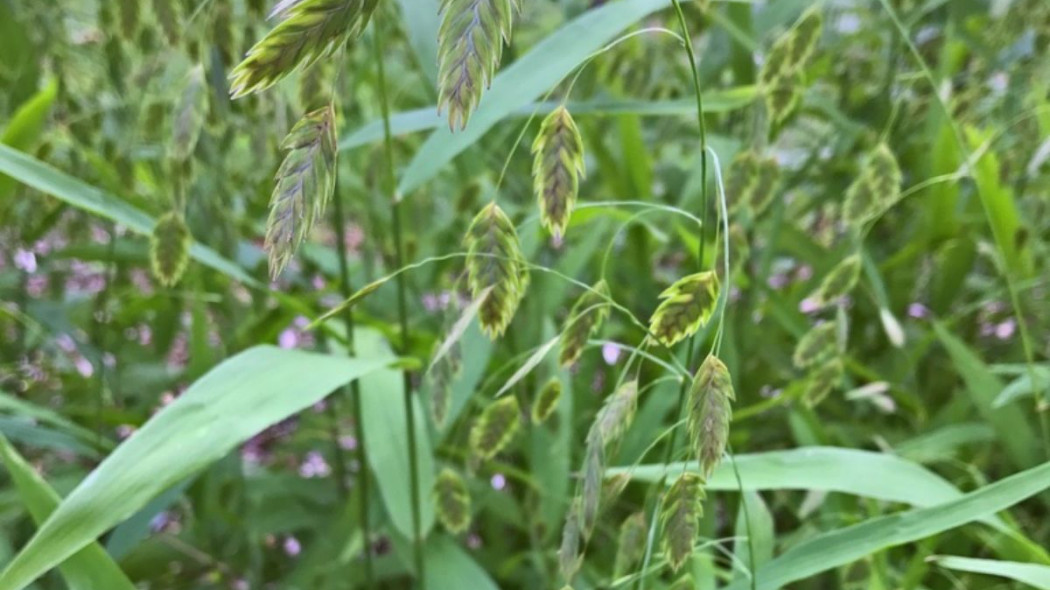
(130, 15)
(557, 168)
(783, 98)
(169, 18)
(840, 281)
(766, 185)
(222, 36)
(169, 250)
(547, 401)
(452, 501)
(778, 61)
(885, 176)
(820, 343)
(494, 260)
(569, 558)
(310, 30)
(441, 376)
(585, 318)
(822, 381)
(609, 425)
(495, 427)
(710, 410)
(190, 112)
(806, 34)
(680, 517)
(861, 201)
(304, 185)
(470, 47)
(631, 545)
(742, 178)
(687, 304)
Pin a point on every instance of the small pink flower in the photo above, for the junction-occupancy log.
(288, 338)
(84, 366)
(1005, 329)
(808, 305)
(611, 353)
(292, 547)
(25, 260)
(918, 311)
(498, 482)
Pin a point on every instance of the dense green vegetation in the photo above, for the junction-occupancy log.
(471, 294)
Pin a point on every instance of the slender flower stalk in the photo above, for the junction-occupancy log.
(390, 188)
(346, 289)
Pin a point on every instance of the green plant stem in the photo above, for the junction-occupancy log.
(390, 189)
(364, 477)
(683, 389)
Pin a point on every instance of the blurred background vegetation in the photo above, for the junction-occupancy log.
(116, 113)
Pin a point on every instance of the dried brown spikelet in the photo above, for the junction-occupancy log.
(169, 251)
(585, 318)
(680, 516)
(304, 185)
(569, 558)
(546, 401)
(687, 304)
(494, 260)
(452, 501)
(470, 46)
(630, 547)
(310, 30)
(609, 424)
(495, 427)
(822, 381)
(557, 168)
(710, 411)
(840, 281)
(816, 345)
(190, 112)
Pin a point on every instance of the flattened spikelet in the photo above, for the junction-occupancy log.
(311, 29)
(585, 318)
(609, 424)
(681, 513)
(557, 168)
(190, 112)
(546, 401)
(441, 376)
(494, 260)
(710, 410)
(630, 547)
(129, 18)
(783, 97)
(820, 343)
(766, 185)
(569, 558)
(452, 501)
(840, 281)
(822, 381)
(470, 46)
(169, 251)
(742, 178)
(687, 304)
(304, 185)
(495, 427)
(806, 33)
(875, 190)
(778, 61)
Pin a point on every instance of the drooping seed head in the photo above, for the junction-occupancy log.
(680, 517)
(822, 381)
(630, 547)
(840, 281)
(710, 411)
(546, 401)
(470, 47)
(169, 248)
(310, 30)
(452, 501)
(495, 427)
(495, 262)
(305, 183)
(190, 112)
(816, 345)
(687, 304)
(585, 319)
(557, 168)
